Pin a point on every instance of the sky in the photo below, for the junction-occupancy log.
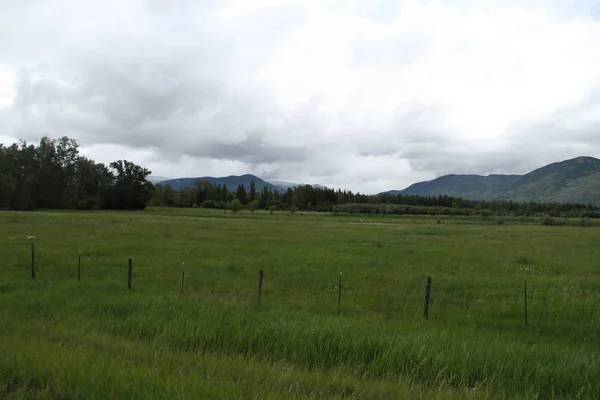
(363, 95)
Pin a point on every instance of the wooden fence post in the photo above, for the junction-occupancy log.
(427, 297)
(525, 297)
(32, 259)
(129, 274)
(182, 278)
(340, 294)
(260, 280)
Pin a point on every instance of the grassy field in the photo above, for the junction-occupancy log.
(60, 338)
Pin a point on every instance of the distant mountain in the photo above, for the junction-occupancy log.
(571, 181)
(156, 179)
(231, 182)
(286, 185)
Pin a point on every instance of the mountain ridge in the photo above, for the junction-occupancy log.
(231, 182)
(575, 180)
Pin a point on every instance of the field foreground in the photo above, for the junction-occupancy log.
(94, 338)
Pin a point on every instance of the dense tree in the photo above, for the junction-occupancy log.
(25, 169)
(131, 189)
(306, 197)
(186, 197)
(288, 197)
(253, 206)
(235, 205)
(54, 175)
(263, 200)
(241, 194)
(202, 188)
(8, 181)
(91, 184)
(164, 195)
(252, 194)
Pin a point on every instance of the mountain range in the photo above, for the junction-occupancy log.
(231, 182)
(571, 181)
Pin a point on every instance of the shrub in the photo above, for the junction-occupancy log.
(590, 214)
(485, 213)
(235, 205)
(547, 221)
(214, 204)
(586, 221)
(500, 221)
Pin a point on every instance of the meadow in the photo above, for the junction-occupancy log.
(95, 339)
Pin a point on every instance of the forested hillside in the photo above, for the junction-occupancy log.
(575, 181)
(54, 175)
(310, 198)
(231, 182)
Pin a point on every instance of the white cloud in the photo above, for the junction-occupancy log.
(368, 95)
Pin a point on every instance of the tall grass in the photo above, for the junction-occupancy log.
(96, 339)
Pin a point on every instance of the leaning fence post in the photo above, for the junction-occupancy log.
(340, 294)
(427, 296)
(129, 274)
(260, 280)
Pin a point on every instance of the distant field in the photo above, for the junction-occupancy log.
(60, 338)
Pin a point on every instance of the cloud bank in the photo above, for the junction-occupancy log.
(365, 95)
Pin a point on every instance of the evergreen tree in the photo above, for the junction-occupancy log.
(241, 194)
(288, 197)
(264, 198)
(8, 181)
(252, 194)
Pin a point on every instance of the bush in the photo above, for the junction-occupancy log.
(235, 205)
(500, 221)
(214, 204)
(90, 203)
(485, 213)
(586, 221)
(590, 214)
(549, 221)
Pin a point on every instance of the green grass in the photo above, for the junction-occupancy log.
(60, 338)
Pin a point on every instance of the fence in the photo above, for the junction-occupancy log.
(427, 296)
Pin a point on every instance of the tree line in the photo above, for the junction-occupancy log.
(308, 198)
(54, 175)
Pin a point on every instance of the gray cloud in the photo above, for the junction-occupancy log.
(150, 106)
(365, 96)
(254, 150)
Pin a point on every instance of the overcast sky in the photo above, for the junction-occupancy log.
(364, 95)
